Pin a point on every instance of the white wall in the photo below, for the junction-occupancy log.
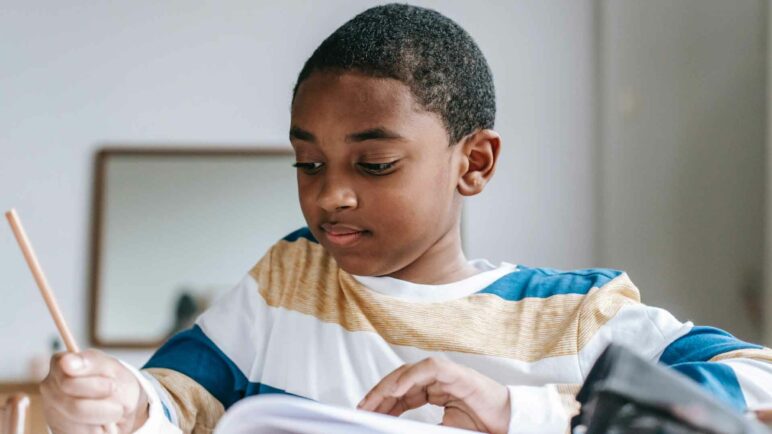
(768, 209)
(683, 128)
(77, 74)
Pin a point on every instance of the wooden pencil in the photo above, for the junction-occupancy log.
(40, 279)
(45, 291)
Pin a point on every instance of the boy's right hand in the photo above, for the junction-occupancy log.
(91, 392)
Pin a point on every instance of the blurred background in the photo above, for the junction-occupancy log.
(634, 137)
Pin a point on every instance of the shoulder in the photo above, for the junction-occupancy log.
(294, 258)
(296, 247)
(529, 282)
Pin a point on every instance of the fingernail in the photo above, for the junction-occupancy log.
(76, 363)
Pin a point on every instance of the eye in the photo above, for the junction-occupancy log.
(377, 168)
(308, 168)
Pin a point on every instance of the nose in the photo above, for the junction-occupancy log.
(336, 195)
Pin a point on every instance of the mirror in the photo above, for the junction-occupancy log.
(172, 229)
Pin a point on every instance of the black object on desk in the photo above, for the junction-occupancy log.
(626, 394)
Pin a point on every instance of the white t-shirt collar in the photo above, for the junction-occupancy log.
(402, 289)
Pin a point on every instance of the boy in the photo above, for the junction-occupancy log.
(374, 304)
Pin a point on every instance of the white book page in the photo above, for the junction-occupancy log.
(283, 414)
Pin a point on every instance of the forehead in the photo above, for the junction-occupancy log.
(355, 100)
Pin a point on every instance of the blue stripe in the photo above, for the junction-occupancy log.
(702, 344)
(718, 379)
(546, 282)
(264, 389)
(192, 353)
(166, 412)
(301, 233)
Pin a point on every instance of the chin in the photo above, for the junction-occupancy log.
(359, 265)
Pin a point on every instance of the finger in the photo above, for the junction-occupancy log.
(450, 378)
(374, 397)
(436, 394)
(386, 405)
(398, 383)
(55, 368)
(87, 363)
(424, 373)
(86, 411)
(52, 394)
(62, 423)
(418, 396)
(88, 387)
(415, 397)
(66, 364)
(399, 408)
(67, 427)
(458, 418)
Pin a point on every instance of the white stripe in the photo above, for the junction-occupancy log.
(643, 329)
(755, 378)
(237, 323)
(327, 363)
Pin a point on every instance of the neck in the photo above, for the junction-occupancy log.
(444, 262)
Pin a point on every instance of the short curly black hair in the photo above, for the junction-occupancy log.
(436, 58)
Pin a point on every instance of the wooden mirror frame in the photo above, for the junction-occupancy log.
(97, 217)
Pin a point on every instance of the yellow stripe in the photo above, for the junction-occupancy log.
(197, 410)
(763, 354)
(301, 276)
(568, 389)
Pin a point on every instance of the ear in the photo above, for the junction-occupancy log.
(480, 152)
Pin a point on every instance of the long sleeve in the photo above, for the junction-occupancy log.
(537, 410)
(737, 372)
(200, 372)
(158, 421)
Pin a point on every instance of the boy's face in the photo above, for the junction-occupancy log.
(377, 179)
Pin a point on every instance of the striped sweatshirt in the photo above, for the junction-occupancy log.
(298, 324)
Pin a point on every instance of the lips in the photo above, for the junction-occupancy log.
(343, 235)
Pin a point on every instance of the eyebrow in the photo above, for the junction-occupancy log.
(301, 134)
(378, 133)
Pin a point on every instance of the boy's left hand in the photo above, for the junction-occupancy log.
(471, 400)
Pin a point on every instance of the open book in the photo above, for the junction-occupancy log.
(283, 414)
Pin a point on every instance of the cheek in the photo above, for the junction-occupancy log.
(431, 187)
(414, 204)
(306, 197)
